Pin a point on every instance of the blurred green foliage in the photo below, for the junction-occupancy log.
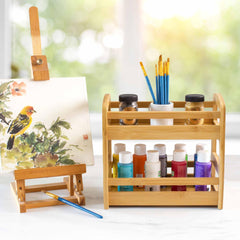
(204, 55)
(71, 18)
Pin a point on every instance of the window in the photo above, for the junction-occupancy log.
(79, 38)
(202, 40)
(105, 40)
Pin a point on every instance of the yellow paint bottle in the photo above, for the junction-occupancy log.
(118, 147)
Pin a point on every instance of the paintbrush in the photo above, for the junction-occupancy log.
(72, 204)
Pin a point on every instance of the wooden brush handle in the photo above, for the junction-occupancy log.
(35, 31)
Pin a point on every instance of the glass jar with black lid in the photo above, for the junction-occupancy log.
(128, 102)
(194, 102)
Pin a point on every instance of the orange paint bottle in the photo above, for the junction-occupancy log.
(139, 158)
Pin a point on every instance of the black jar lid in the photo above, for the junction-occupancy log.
(128, 98)
(194, 98)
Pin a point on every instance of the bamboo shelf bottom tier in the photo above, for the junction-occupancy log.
(163, 198)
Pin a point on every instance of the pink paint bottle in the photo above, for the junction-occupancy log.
(179, 167)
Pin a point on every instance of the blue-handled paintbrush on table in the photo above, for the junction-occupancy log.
(72, 204)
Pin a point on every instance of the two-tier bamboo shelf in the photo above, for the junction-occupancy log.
(213, 129)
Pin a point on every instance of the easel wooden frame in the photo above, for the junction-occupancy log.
(74, 182)
(39, 62)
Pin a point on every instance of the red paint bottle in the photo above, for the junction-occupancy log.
(179, 168)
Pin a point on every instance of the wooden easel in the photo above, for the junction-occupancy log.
(74, 182)
(38, 61)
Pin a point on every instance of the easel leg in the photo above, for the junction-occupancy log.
(79, 188)
(79, 183)
(21, 195)
(70, 182)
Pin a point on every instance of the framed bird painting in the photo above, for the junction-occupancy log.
(44, 123)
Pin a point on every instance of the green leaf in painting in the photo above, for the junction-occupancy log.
(39, 147)
(39, 126)
(64, 124)
(62, 144)
(64, 137)
(67, 162)
(46, 145)
(4, 86)
(56, 130)
(31, 138)
(76, 146)
(7, 114)
(55, 147)
(62, 152)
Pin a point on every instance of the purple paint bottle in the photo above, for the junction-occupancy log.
(202, 168)
(199, 147)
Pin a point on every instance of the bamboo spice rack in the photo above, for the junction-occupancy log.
(213, 129)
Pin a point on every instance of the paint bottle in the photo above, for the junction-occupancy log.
(139, 159)
(128, 102)
(179, 167)
(152, 169)
(194, 102)
(118, 147)
(125, 169)
(161, 148)
(203, 168)
(200, 146)
(181, 146)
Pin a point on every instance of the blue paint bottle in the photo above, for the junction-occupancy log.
(199, 147)
(125, 169)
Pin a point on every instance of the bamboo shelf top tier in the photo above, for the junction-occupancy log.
(214, 116)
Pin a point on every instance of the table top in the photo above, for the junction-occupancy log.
(130, 222)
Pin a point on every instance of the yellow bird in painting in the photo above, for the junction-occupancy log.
(20, 124)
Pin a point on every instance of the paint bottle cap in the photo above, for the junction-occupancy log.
(181, 146)
(179, 155)
(152, 156)
(119, 147)
(128, 98)
(140, 149)
(161, 148)
(125, 157)
(201, 146)
(203, 156)
(194, 98)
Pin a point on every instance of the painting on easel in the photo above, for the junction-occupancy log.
(44, 123)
